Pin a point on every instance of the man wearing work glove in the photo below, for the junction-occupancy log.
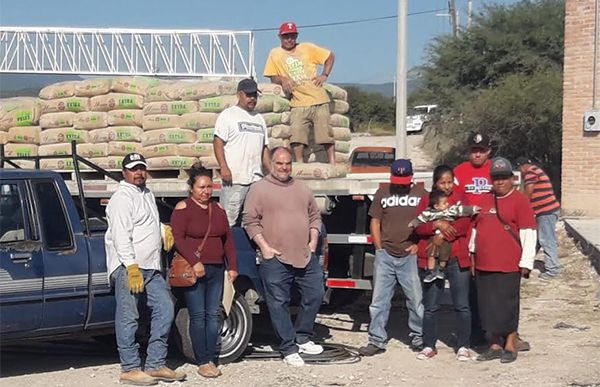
(133, 253)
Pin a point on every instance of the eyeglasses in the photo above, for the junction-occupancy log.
(289, 36)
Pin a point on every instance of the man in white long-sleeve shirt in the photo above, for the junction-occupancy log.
(133, 251)
(503, 246)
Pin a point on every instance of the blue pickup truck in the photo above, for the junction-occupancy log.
(53, 277)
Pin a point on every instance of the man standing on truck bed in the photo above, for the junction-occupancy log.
(294, 67)
(240, 145)
(133, 248)
(393, 207)
(282, 217)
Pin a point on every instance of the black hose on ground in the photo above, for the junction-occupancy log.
(332, 354)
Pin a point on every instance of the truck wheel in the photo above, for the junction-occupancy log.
(235, 332)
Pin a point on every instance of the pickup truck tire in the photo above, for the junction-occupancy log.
(235, 333)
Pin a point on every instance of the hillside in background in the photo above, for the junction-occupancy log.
(29, 85)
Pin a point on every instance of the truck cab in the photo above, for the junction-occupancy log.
(52, 277)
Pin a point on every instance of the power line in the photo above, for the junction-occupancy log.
(352, 21)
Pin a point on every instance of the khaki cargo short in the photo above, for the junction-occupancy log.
(305, 117)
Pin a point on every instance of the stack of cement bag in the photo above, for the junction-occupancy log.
(19, 130)
(170, 122)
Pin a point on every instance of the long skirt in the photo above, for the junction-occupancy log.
(498, 300)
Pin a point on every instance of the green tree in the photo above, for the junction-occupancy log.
(503, 77)
(370, 109)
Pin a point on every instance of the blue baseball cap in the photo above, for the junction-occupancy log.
(401, 172)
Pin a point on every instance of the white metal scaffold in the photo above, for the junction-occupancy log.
(113, 51)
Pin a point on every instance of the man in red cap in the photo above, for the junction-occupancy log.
(294, 67)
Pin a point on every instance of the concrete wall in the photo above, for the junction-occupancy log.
(580, 151)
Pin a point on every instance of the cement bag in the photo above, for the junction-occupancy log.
(317, 171)
(338, 106)
(280, 104)
(272, 119)
(277, 142)
(116, 101)
(65, 164)
(272, 103)
(170, 107)
(160, 150)
(133, 85)
(24, 134)
(58, 90)
(109, 162)
(281, 131)
(338, 120)
(53, 136)
(336, 92)
(16, 112)
(205, 135)
(198, 120)
(116, 133)
(164, 91)
(342, 146)
(92, 87)
(20, 150)
(197, 90)
(62, 149)
(3, 137)
(342, 158)
(285, 117)
(171, 136)
(171, 162)
(160, 121)
(209, 162)
(341, 134)
(217, 104)
(90, 120)
(271, 88)
(57, 120)
(92, 150)
(196, 149)
(70, 104)
(127, 117)
(122, 148)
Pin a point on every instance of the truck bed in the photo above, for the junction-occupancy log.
(353, 184)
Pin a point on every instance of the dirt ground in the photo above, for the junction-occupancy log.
(561, 319)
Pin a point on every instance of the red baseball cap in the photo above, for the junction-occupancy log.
(288, 28)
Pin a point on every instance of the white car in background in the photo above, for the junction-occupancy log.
(418, 116)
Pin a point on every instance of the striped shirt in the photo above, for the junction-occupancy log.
(543, 201)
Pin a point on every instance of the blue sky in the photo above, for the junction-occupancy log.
(365, 52)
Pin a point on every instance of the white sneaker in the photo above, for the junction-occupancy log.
(463, 354)
(293, 360)
(310, 348)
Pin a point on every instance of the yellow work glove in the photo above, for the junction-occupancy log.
(168, 238)
(135, 279)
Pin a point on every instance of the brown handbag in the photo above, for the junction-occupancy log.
(181, 274)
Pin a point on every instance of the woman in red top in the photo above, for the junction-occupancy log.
(503, 241)
(457, 270)
(190, 224)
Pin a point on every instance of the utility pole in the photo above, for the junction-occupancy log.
(453, 17)
(401, 148)
(469, 13)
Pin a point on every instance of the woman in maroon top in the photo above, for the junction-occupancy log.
(457, 270)
(190, 224)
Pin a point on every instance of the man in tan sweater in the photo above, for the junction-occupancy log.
(281, 216)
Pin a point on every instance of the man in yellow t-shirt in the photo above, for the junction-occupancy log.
(294, 67)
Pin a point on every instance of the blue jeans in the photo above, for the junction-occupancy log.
(203, 301)
(232, 200)
(459, 280)
(278, 279)
(546, 228)
(160, 304)
(388, 271)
